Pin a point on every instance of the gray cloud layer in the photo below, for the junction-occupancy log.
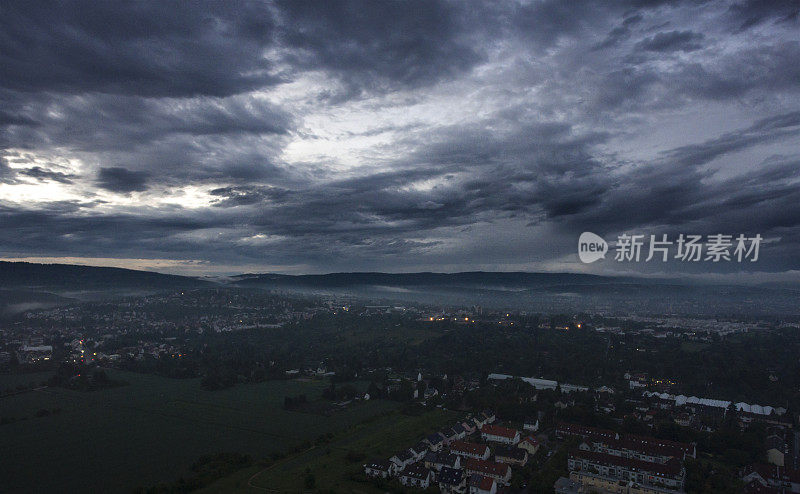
(532, 122)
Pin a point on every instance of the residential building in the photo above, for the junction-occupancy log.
(435, 441)
(470, 450)
(511, 455)
(452, 481)
(436, 461)
(478, 484)
(416, 475)
(597, 483)
(418, 450)
(531, 424)
(501, 472)
(529, 444)
(670, 475)
(449, 436)
(401, 460)
(756, 487)
(32, 354)
(567, 486)
(781, 478)
(642, 448)
(469, 426)
(380, 468)
(461, 433)
(500, 434)
(776, 450)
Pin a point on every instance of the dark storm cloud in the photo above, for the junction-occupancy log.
(671, 41)
(371, 43)
(122, 180)
(225, 48)
(43, 174)
(6, 173)
(122, 122)
(680, 190)
(173, 140)
(546, 95)
(8, 119)
(153, 49)
(546, 22)
(644, 83)
(245, 195)
(753, 12)
(162, 91)
(543, 168)
(619, 33)
(769, 68)
(61, 228)
(768, 129)
(11, 175)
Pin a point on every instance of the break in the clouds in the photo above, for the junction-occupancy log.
(387, 135)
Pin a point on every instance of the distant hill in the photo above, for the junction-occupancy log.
(484, 279)
(68, 277)
(26, 285)
(15, 301)
(542, 292)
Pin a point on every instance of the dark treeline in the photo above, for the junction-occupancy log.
(736, 368)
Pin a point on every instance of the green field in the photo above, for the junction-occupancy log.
(693, 346)
(9, 382)
(151, 430)
(332, 464)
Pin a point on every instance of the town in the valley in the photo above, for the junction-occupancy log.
(490, 401)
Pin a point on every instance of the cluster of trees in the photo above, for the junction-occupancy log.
(206, 470)
(709, 477)
(340, 393)
(543, 479)
(755, 368)
(81, 377)
(218, 377)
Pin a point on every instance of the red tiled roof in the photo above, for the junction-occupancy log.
(776, 473)
(654, 448)
(510, 453)
(496, 430)
(487, 467)
(468, 448)
(670, 468)
(650, 446)
(657, 443)
(484, 483)
(580, 430)
(756, 487)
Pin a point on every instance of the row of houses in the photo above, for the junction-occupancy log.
(770, 479)
(645, 448)
(27, 354)
(709, 412)
(625, 463)
(460, 459)
(581, 482)
(540, 383)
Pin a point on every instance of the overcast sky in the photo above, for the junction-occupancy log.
(396, 136)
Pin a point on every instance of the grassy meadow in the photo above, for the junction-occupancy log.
(150, 430)
(335, 466)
